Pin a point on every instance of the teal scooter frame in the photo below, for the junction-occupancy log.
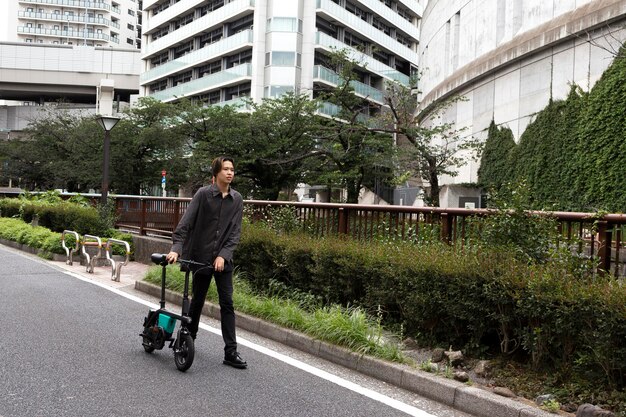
(159, 325)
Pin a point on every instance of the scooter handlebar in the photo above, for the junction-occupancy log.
(161, 259)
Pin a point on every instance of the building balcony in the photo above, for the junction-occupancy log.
(414, 6)
(57, 17)
(230, 76)
(210, 51)
(228, 11)
(73, 34)
(328, 42)
(332, 11)
(327, 76)
(392, 17)
(79, 4)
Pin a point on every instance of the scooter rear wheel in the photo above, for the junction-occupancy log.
(184, 353)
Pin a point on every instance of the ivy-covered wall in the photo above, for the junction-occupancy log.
(573, 154)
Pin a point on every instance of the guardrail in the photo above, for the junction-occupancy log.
(600, 236)
(595, 235)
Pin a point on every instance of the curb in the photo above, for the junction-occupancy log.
(472, 400)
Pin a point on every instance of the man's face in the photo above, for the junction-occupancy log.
(226, 175)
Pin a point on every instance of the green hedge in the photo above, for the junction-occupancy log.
(56, 216)
(36, 237)
(483, 300)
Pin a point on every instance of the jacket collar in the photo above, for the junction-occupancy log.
(215, 190)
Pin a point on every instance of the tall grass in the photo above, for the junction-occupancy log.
(348, 327)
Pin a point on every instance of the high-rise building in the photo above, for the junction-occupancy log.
(72, 22)
(217, 51)
(85, 54)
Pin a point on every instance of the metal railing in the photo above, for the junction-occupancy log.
(600, 236)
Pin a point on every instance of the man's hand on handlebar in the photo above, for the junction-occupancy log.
(172, 257)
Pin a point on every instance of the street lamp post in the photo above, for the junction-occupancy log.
(107, 123)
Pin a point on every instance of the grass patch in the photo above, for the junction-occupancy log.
(347, 327)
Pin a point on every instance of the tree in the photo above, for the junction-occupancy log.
(354, 153)
(143, 144)
(60, 151)
(432, 147)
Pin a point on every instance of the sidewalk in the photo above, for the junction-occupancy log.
(469, 399)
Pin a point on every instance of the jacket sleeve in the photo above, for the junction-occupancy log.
(186, 224)
(235, 233)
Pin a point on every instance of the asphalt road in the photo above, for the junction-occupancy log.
(71, 348)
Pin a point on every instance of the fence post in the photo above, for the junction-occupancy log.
(446, 228)
(142, 225)
(176, 214)
(604, 245)
(343, 221)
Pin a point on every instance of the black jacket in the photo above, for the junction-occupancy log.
(210, 227)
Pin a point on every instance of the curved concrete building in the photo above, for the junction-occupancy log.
(507, 58)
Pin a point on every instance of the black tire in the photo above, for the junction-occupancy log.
(146, 346)
(183, 355)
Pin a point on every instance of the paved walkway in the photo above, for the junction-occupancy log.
(473, 400)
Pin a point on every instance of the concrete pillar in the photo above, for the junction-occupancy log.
(105, 97)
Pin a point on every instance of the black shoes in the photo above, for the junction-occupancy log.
(234, 360)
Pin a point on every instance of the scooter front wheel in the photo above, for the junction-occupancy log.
(184, 352)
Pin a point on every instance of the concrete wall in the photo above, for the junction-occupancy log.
(511, 58)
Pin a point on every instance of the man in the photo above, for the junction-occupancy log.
(209, 233)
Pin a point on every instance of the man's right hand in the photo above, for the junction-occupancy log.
(172, 257)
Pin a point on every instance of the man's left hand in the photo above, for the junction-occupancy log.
(218, 265)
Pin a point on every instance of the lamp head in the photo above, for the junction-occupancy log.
(107, 122)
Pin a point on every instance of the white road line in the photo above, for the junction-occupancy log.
(398, 405)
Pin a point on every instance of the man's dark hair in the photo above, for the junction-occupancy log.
(216, 165)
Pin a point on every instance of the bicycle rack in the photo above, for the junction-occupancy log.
(91, 241)
(69, 251)
(116, 266)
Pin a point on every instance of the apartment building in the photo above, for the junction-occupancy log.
(85, 54)
(218, 51)
(114, 23)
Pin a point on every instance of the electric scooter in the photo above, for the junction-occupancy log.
(159, 325)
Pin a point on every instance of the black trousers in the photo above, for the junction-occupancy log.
(199, 288)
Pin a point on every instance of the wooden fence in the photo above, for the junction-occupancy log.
(596, 236)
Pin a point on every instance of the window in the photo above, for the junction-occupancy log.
(183, 49)
(184, 77)
(381, 57)
(352, 8)
(404, 14)
(159, 59)
(55, 42)
(30, 10)
(158, 86)
(284, 24)
(99, 31)
(378, 24)
(183, 21)
(130, 41)
(277, 90)
(56, 27)
(354, 41)
(241, 24)
(282, 58)
(238, 59)
(213, 36)
(160, 33)
(57, 12)
(212, 5)
(210, 68)
(131, 12)
(28, 40)
(241, 90)
(130, 27)
(403, 40)
(211, 98)
(386, 2)
(29, 25)
(39, 41)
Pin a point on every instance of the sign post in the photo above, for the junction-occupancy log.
(163, 173)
